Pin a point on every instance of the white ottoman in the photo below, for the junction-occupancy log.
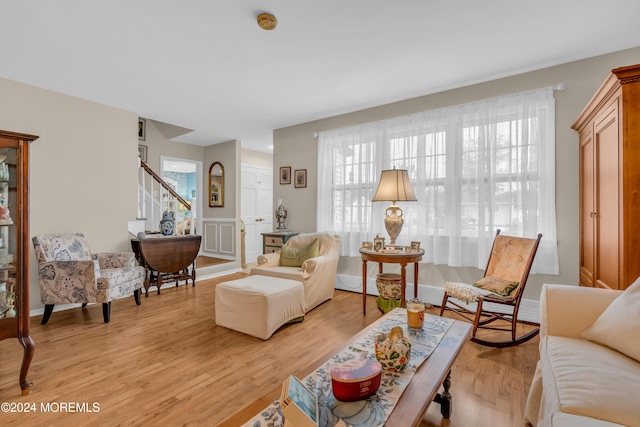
(258, 305)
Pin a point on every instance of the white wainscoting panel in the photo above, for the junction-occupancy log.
(529, 309)
(210, 241)
(227, 239)
(219, 237)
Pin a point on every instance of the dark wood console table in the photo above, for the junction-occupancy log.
(167, 259)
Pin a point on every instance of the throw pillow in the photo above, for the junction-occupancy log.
(618, 325)
(294, 257)
(499, 286)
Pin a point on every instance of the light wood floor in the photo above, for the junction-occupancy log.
(167, 363)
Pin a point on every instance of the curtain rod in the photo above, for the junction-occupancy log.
(559, 87)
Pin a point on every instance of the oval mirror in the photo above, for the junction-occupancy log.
(216, 185)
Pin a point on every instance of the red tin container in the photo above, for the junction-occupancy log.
(356, 379)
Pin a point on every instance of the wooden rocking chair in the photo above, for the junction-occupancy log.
(503, 283)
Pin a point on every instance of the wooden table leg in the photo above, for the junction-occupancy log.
(364, 287)
(403, 285)
(444, 398)
(415, 280)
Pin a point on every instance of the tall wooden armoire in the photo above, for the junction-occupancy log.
(609, 129)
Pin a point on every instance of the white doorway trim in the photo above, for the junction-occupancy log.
(199, 192)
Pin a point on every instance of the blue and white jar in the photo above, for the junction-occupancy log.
(168, 223)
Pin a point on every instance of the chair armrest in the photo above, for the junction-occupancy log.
(568, 310)
(269, 260)
(67, 281)
(313, 264)
(115, 259)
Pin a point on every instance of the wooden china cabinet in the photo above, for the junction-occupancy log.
(14, 245)
(609, 130)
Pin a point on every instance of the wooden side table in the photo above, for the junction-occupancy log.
(167, 258)
(272, 242)
(391, 257)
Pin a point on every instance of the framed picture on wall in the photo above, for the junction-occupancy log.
(300, 177)
(285, 175)
(142, 129)
(142, 152)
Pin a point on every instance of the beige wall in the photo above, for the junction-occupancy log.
(257, 158)
(158, 144)
(296, 146)
(83, 167)
(227, 154)
(216, 231)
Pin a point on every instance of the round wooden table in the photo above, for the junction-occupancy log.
(391, 257)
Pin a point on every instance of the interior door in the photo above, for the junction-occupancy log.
(256, 208)
(607, 216)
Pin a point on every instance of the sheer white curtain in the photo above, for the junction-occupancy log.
(474, 168)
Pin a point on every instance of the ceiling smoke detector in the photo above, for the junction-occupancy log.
(267, 21)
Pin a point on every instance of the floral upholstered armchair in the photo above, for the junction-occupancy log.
(69, 273)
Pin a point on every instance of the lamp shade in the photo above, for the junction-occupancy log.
(394, 186)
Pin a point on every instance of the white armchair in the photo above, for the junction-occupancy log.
(317, 274)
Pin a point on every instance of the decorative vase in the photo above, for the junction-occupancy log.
(168, 223)
(281, 215)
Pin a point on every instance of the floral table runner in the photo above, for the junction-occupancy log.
(376, 409)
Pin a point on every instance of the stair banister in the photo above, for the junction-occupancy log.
(172, 197)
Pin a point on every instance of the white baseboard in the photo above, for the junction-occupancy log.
(529, 309)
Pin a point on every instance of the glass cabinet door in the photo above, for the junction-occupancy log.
(14, 245)
(7, 233)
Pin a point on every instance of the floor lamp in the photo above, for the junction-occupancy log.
(394, 186)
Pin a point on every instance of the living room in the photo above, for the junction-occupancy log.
(84, 168)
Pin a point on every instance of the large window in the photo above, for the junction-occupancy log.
(474, 168)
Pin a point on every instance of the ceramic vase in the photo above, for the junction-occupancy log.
(168, 223)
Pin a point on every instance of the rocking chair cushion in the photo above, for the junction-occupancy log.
(294, 257)
(615, 328)
(494, 284)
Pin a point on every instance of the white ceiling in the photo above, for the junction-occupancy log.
(205, 65)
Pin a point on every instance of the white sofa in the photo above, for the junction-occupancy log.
(578, 382)
(317, 274)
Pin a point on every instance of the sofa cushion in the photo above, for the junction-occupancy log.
(590, 380)
(294, 257)
(618, 326)
(560, 419)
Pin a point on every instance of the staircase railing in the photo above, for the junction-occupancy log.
(161, 197)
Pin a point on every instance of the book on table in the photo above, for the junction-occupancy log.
(299, 404)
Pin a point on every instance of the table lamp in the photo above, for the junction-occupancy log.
(394, 186)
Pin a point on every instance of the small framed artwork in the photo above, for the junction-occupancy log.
(285, 175)
(415, 246)
(300, 178)
(142, 152)
(142, 129)
(378, 243)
